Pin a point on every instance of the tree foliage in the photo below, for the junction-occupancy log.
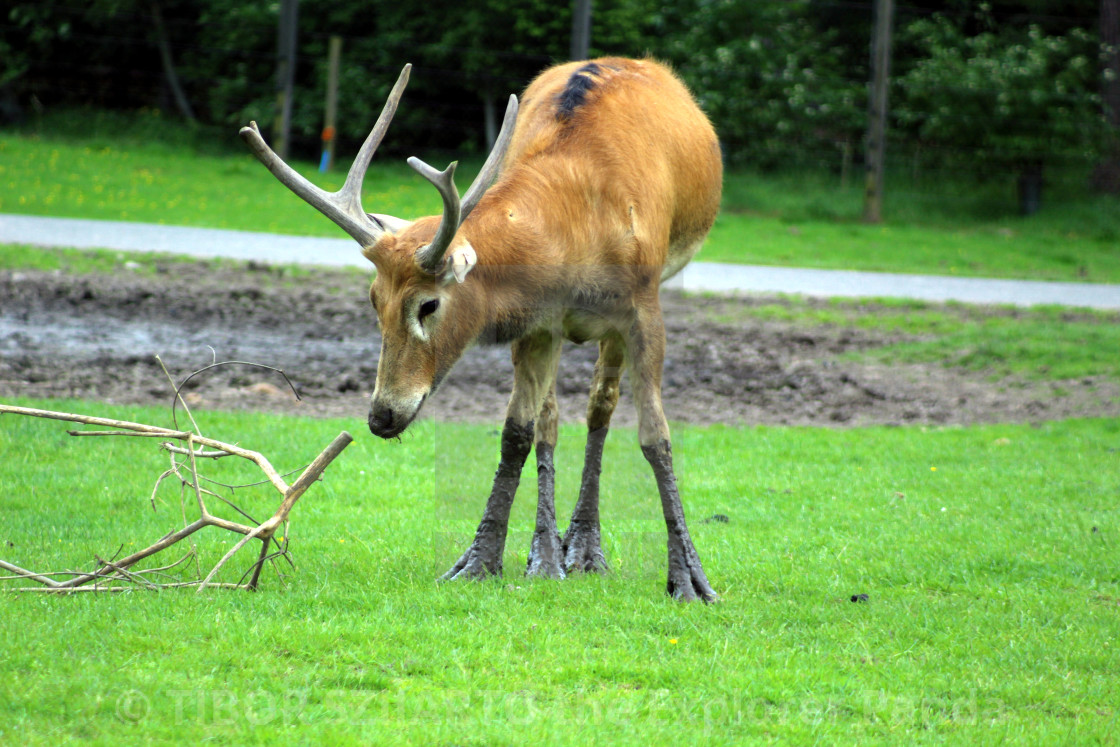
(1000, 97)
(784, 80)
(771, 80)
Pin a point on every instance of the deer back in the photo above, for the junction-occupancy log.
(611, 150)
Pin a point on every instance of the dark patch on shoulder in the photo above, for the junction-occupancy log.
(575, 93)
(510, 327)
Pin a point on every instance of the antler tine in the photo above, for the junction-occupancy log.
(493, 163)
(430, 257)
(352, 189)
(343, 207)
(455, 212)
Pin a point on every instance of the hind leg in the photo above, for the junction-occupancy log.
(582, 544)
(545, 553)
(646, 348)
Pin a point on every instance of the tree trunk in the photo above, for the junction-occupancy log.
(1106, 176)
(169, 74)
(1110, 38)
(1030, 187)
(876, 142)
(286, 36)
(581, 29)
(490, 118)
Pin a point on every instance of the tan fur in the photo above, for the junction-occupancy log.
(588, 216)
(609, 185)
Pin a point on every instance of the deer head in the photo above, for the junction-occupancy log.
(425, 322)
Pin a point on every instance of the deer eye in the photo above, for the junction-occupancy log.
(427, 308)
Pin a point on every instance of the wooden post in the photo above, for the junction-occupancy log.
(877, 112)
(490, 119)
(334, 54)
(581, 29)
(285, 75)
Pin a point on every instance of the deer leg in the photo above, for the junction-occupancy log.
(534, 366)
(582, 545)
(646, 346)
(545, 555)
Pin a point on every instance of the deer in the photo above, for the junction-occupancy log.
(603, 182)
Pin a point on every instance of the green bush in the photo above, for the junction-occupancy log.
(774, 84)
(784, 80)
(1001, 100)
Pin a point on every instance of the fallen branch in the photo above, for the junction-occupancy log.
(118, 571)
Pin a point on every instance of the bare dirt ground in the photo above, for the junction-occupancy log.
(95, 337)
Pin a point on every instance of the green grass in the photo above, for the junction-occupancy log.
(989, 555)
(94, 165)
(1049, 343)
(958, 227)
(177, 186)
(18, 257)
(79, 261)
(1004, 249)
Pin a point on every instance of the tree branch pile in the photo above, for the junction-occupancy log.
(186, 449)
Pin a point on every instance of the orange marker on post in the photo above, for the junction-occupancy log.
(328, 139)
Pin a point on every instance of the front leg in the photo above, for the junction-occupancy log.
(484, 556)
(545, 554)
(534, 365)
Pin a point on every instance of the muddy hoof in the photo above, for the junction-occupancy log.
(686, 581)
(545, 556)
(692, 590)
(583, 551)
(472, 565)
(585, 560)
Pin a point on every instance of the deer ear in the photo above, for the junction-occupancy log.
(388, 223)
(463, 260)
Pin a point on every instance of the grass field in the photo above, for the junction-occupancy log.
(139, 168)
(1044, 342)
(989, 558)
(989, 555)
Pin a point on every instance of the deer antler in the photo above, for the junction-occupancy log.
(343, 207)
(430, 257)
(493, 162)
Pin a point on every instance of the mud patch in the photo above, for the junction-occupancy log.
(95, 337)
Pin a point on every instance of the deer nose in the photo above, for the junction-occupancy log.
(383, 421)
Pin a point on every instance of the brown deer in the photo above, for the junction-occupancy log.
(610, 180)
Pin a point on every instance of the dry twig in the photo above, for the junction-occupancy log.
(110, 574)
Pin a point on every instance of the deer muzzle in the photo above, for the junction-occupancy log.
(390, 420)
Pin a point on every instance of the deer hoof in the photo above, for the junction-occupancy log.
(473, 565)
(687, 582)
(583, 551)
(545, 556)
